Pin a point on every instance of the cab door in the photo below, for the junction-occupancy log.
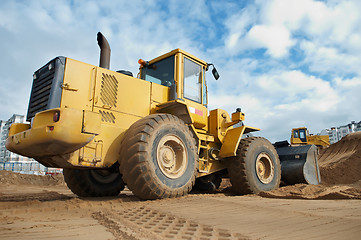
(303, 135)
(194, 91)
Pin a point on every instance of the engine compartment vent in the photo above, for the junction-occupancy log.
(109, 90)
(107, 116)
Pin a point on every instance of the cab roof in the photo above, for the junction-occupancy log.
(174, 52)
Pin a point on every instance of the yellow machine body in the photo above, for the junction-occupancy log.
(98, 105)
(301, 136)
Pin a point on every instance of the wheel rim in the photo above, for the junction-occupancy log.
(172, 156)
(104, 176)
(264, 168)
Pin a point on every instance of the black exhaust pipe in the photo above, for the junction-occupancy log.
(104, 60)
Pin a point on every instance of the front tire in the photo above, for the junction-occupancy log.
(255, 168)
(94, 183)
(159, 157)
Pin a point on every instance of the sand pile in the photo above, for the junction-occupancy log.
(7, 177)
(340, 163)
(305, 191)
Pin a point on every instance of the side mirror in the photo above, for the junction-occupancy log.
(215, 73)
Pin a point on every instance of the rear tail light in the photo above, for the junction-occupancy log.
(56, 116)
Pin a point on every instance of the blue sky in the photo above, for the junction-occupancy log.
(286, 63)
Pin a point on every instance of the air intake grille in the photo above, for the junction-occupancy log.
(109, 90)
(46, 90)
(41, 91)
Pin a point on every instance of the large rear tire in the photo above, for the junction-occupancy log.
(255, 168)
(158, 157)
(94, 183)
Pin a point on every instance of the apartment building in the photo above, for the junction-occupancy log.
(336, 133)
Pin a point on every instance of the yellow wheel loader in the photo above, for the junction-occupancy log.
(153, 132)
(301, 136)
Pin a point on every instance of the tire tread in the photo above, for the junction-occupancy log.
(237, 169)
(136, 169)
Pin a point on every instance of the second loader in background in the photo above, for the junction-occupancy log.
(301, 136)
(153, 133)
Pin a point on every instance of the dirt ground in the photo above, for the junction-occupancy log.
(42, 207)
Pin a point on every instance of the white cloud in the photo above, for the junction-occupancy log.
(280, 24)
(237, 25)
(347, 83)
(324, 59)
(276, 39)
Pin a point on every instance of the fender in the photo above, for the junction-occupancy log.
(232, 139)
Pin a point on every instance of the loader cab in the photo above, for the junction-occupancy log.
(299, 135)
(184, 75)
(180, 69)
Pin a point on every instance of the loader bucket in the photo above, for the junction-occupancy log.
(299, 164)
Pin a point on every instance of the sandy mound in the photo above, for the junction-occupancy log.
(304, 191)
(340, 163)
(7, 177)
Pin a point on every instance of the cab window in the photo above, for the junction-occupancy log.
(295, 135)
(192, 80)
(303, 135)
(161, 72)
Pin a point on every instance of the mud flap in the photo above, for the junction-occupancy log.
(299, 164)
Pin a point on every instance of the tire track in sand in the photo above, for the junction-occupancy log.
(145, 223)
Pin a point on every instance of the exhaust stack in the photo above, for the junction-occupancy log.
(104, 60)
